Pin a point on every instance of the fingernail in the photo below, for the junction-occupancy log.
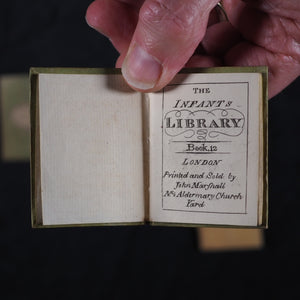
(140, 69)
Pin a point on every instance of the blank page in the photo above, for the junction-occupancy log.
(91, 150)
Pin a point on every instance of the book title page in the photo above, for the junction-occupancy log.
(204, 158)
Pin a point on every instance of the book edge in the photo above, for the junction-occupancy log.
(33, 81)
(198, 225)
(68, 70)
(114, 224)
(265, 116)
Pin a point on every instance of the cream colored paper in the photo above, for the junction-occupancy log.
(91, 150)
(204, 150)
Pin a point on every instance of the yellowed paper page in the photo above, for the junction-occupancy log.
(204, 150)
(91, 150)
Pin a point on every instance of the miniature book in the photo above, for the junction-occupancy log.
(193, 154)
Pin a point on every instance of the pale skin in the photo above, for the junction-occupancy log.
(157, 38)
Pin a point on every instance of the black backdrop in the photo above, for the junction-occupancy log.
(133, 262)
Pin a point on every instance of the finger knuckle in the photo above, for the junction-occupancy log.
(170, 14)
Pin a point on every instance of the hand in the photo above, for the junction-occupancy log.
(156, 38)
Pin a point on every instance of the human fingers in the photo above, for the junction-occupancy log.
(274, 33)
(288, 8)
(219, 38)
(115, 19)
(203, 61)
(282, 69)
(167, 34)
(270, 39)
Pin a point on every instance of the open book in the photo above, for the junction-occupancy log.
(193, 154)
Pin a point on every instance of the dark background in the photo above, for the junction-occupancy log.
(133, 262)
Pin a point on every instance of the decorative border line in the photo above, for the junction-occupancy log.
(162, 134)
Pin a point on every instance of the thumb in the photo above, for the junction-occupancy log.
(166, 36)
